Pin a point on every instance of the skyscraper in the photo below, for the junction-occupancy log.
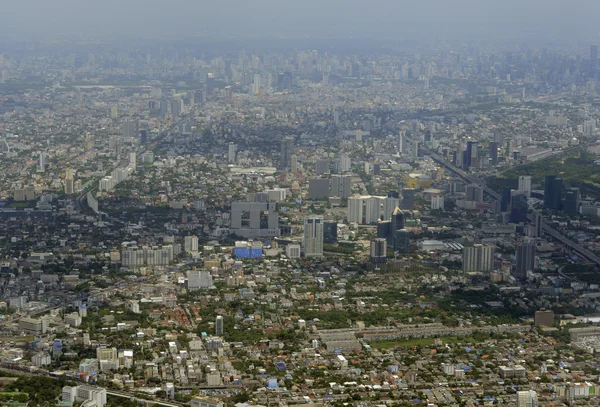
(322, 166)
(525, 184)
(294, 163)
(401, 241)
(69, 190)
(408, 198)
(232, 150)
(313, 236)
(219, 325)
(378, 251)
(397, 220)
(518, 207)
(525, 259)
(340, 186)
(572, 198)
(330, 232)
(42, 162)
(494, 152)
(478, 258)
(287, 150)
(527, 398)
(594, 55)
(474, 193)
(355, 209)
(552, 192)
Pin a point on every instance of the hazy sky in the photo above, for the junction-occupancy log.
(476, 19)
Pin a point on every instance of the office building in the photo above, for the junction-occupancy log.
(527, 398)
(572, 201)
(355, 209)
(525, 184)
(437, 202)
(69, 182)
(552, 192)
(330, 232)
(318, 188)
(322, 167)
(538, 223)
(397, 220)
(478, 258)
(373, 209)
(128, 130)
(594, 55)
(190, 244)
(544, 318)
(219, 329)
(287, 150)
(292, 250)
(199, 279)
(384, 230)
(525, 259)
(401, 240)
(294, 163)
(42, 162)
(313, 236)
(518, 207)
(393, 194)
(345, 163)
(378, 251)
(176, 108)
(255, 219)
(389, 205)
(474, 193)
(340, 186)
(232, 150)
(468, 155)
(493, 153)
(408, 199)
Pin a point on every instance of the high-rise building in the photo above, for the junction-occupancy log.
(384, 230)
(373, 209)
(190, 244)
(397, 220)
(318, 188)
(518, 207)
(313, 236)
(408, 198)
(478, 258)
(219, 329)
(255, 219)
(572, 200)
(42, 162)
(525, 184)
(355, 209)
(232, 150)
(330, 232)
(176, 108)
(294, 163)
(378, 251)
(474, 193)
(437, 202)
(467, 162)
(552, 192)
(494, 152)
(322, 167)
(389, 206)
(525, 259)
(527, 398)
(345, 163)
(69, 182)
(594, 55)
(340, 186)
(287, 150)
(401, 241)
(538, 222)
(199, 279)
(128, 129)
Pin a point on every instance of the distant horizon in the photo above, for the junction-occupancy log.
(459, 20)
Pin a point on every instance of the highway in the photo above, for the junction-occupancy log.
(582, 251)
